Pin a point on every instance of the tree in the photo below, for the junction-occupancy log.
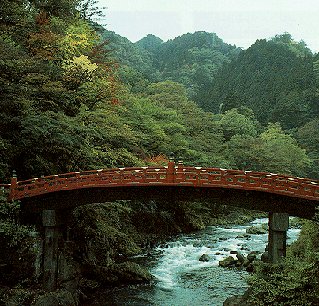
(151, 43)
(308, 138)
(234, 123)
(280, 153)
(268, 77)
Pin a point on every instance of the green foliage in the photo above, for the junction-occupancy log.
(307, 245)
(79, 38)
(272, 150)
(191, 59)
(150, 43)
(8, 211)
(234, 123)
(299, 48)
(101, 228)
(49, 80)
(273, 79)
(17, 241)
(131, 59)
(294, 284)
(295, 281)
(308, 138)
(280, 152)
(166, 122)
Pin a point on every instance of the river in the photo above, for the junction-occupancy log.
(182, 280)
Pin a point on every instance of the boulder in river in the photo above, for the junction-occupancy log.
(227, 262)
(251, 256)
(235, 300)
(241, 258)
(240, 237)
(204, 257)
(257, 230)
(265, 257)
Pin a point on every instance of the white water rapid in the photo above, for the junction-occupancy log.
(183, 280)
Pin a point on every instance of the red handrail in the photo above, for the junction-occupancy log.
(175, 175)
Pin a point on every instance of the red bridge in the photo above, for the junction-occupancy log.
(171, 175)
(54, 196)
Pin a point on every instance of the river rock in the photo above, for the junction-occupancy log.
(241, 258)
(265, 257)
(204, 257)
(240, 237)
(236, 300)
(251, 256)
(59, 297)
(227, 262)
(123, 273)
(256, 230)
(250, 267)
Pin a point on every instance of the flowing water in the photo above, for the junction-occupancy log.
(182, 280)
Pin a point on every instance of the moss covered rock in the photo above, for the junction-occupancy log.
(257, 230)
(57, 298)
(118, 274)
(227, 262)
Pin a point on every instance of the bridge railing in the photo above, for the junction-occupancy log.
(86, 179)
(248, 180)
(170, 175)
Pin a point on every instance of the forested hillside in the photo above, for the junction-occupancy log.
(274, 78)
(75, 96)
(192, 59)
(274, 81)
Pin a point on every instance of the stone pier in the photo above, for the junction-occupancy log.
(278, 226)
(50, 249)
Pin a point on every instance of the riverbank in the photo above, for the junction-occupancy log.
(104, 239)
(182, 278)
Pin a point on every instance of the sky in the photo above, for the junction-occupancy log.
(237, 22)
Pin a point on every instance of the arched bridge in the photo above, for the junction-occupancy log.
(279, 195)
(177, 181)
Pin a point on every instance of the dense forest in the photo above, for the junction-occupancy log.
(75, 96)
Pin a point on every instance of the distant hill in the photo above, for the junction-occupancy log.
(150, 43)
(191, 59)
(274, 78)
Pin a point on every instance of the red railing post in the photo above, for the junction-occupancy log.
(170, 177)
(13, 186)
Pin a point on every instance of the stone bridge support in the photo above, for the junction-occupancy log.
(277, 237)
(50, 249)
(59, 269)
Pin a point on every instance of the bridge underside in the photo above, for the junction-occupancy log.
(52, 209)
(254, 200)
